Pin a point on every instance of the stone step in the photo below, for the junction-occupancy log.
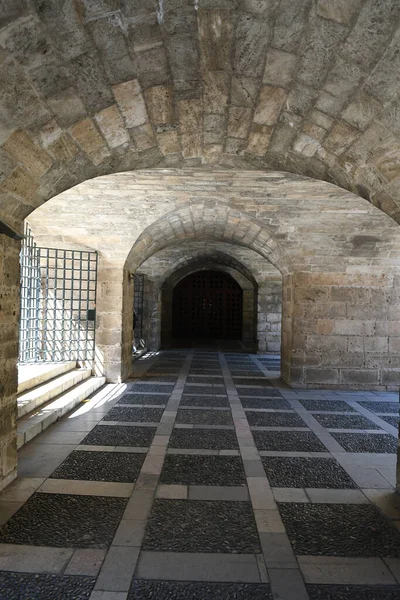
(32, 375)
(31, 425)
(35, 397)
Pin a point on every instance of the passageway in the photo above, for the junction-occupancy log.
(207, 478)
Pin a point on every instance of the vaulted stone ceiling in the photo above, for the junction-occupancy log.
(89, 87)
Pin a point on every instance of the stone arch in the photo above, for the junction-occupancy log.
(224, 264)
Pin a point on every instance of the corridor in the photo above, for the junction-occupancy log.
(206, 478)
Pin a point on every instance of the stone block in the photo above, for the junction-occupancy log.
(327, 376)
(90, 140)
(112, 126)
(239, 119)
(340, 11)
(215, 90)
(159, 101)
(270, 104)
(251, 41)
(359, 377)
(243, 91)
(340, 138)
(153, 66)
(130, 101)
(215, 33)
(88, 76)
(279, 68)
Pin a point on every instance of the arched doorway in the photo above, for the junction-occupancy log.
(207, 305)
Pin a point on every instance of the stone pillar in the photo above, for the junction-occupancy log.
(9, 315)
(341, 330)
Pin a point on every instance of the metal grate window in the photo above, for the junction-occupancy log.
(58, 303)
(138, 287)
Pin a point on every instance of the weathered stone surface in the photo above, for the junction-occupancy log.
(112, 126)
(130, 101)
(270, 104)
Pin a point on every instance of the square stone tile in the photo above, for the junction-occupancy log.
(288, 441)
(198, 526)
(210, 401)
(391, 419)
(340, 530)
(303, 472)
(205, 389)
(204, 417)
(271, 419)
(326, 405)
(367, 442)
(137, 414)
(188, 469)
(152, 387)
(62, 520)
(197, 590)
(144, 399)
(101, 466)
(353, 592)
(345, 422)
(267, 403)
(381, 407)
(120, 435)
(32, 586)
(258, 391)
(207, 439)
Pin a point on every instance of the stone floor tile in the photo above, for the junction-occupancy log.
(85, 562)
(260, 493)
(213, 492)
(269, 521)
(86, 488)
(7, 510)
(253, 468)
(287, 584)
(117, 570)
(388, 501)
(130, 533)
(96, 595)
(336, 496)
(394, 566)
(353, 592)
(139, 505)
(290, 495)
(342, 570)
(25, 559)
(189, 566)
(176, 492)
(277, 551)
(21, 489)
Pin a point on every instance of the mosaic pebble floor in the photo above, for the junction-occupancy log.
(205, 479)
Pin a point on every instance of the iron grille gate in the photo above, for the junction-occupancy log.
(58, 303)
(138, 296)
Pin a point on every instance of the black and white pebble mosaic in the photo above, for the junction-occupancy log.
(35, 586)
(144, 399)
(367, 442)
(199, 526)
(152, 387)
(120, 435)
(381, 407)
(258, 391)
(101, 466)
(143, 589)
(137, 414)
(187, 469)
(204, 417)
(288, 441)
(327, 405)
(207, 439)
(353, 592)
(274, 419)
(340, 530)
(391, 419)
(345, 422)
(205, 389)
(65, 520)
(270, 403)
(306, 472)
(210, 401)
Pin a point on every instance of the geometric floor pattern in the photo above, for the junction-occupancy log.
(206, 478)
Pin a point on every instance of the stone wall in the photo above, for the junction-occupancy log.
(9, 313)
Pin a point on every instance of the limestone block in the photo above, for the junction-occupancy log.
(35, 160)
(112, 126)
(252, 38)
(90, 140)
(215, 90)
(290, 22)
(214, 129)
(67, 107)
(130, 101)
(270, 104)
(21, 183)
(63, 149)
(360, 376)
(168, 141)
(239, 119)
(341, 11)
(88, 76)
(215, 33)
(153, 68)
(244, 91)
(159, 100)
(143, 137)
(340, 138)
(326, 376)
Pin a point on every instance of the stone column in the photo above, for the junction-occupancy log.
(9, 315)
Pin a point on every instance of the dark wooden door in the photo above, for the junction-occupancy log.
(207, 304)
